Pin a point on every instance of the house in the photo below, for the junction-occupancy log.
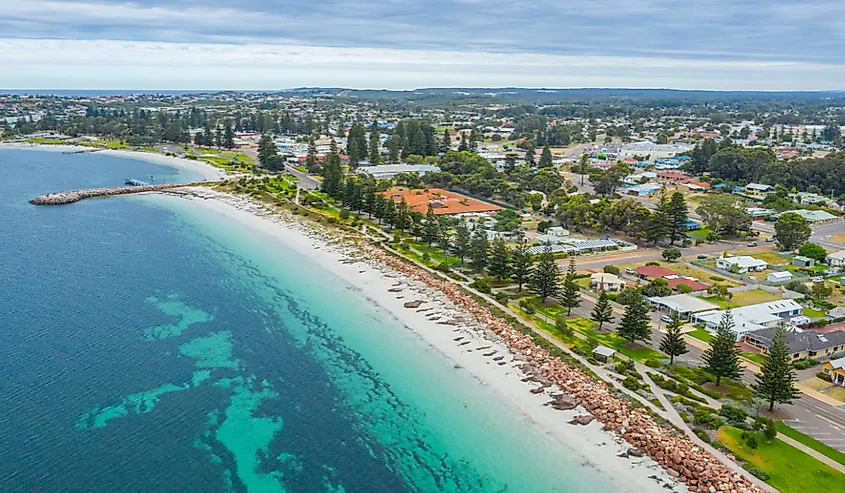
(673, 177)
(643, 190)
(683, 306)
(743, 263)
(779, 277)
(603, 353)
(802, 344)
(691, 282)
(389, 171)
(753, 317)
(758, 212)
(442, 202)
(692, 225)
(654, 271)
(800, 261)
(697, 186)
(758, 189)
(557, 231)
(836, 259)
(806, 198)
(836, 370)
(602, 281)
(813, 217)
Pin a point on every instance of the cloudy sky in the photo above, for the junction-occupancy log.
(405, 44)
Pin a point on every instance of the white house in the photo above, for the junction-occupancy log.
(603, 281)
(744, 262)
(753, 317)
(836, 259)
(557, 231)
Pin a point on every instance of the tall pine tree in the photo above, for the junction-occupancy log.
(722, 357)
(522, 263)
(571, 294)
(545, 158)
(479, 248)
(635, 322)
(677, 214)
(333, 174)
(499, 264)
(776, 381)
(602, 312)
(673, 343)
(461, 245)
(545, 281)
(431, 228)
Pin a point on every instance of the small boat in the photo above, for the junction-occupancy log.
(136, 183)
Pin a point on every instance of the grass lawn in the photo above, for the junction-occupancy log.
(790, 470)
(826, 388)
(813, 313)
(611, 340)
(436, 254)
(745, 298)
(811, 442)
(699, 233)
(701, 334)
(772, 258)
(755, 357)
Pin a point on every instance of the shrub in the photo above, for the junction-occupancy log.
(770, 431)
(611, 269)
(717, 278)
(481, 285)
(703, 417)
(501, 297)
(824, 376)
(652, 263)
(803, 364)
(761, 475)
(684, 416)
(684, 289)
(526, 305)
(631, 383)
(332, 220)
(702, 435)
(344, 214)
(625, 366)
(443, 267)
(762, 422)
(653, 363)
(733, 413)
(751, 442)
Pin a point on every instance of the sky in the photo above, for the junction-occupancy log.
(407, 44)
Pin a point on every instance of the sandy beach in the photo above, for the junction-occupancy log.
(205, 170)
(468, 344)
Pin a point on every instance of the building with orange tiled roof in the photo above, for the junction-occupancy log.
(442, 201)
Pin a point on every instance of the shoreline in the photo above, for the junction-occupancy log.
(205, 170)
(463, 340)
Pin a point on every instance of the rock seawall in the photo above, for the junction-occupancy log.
(72, 196)
(696, 468)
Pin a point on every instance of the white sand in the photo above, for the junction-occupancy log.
(594, 448)
(205, 170)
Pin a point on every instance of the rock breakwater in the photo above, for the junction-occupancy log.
(699, 470)
(72, 196)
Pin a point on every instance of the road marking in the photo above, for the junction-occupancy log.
(835, 425)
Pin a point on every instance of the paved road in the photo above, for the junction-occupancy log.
(305, 181)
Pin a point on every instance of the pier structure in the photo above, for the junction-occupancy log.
(72, 196)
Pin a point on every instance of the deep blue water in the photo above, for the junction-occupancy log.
(146, 345)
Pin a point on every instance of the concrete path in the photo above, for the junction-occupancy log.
(807, 450)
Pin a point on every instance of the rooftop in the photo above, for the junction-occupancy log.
(655, 271)
(808, 340)
(442, 202)
(684, 303)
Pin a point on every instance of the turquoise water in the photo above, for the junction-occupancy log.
(151, 345)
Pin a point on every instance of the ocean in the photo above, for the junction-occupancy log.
(149, 345)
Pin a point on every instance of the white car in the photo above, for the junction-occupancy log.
(630, 271)
(817, 279)
(666, 318)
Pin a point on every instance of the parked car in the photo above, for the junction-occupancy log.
(702, 257)
(817, 279)
(752, 243)
(630, 271)
(770, 239)
(666, 318)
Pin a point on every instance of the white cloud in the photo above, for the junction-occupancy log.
(105, 64)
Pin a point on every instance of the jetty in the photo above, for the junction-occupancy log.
(82, 151)
(72, 196)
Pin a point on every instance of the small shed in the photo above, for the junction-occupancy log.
(603, 353)
(780, 276)
(800, 261)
